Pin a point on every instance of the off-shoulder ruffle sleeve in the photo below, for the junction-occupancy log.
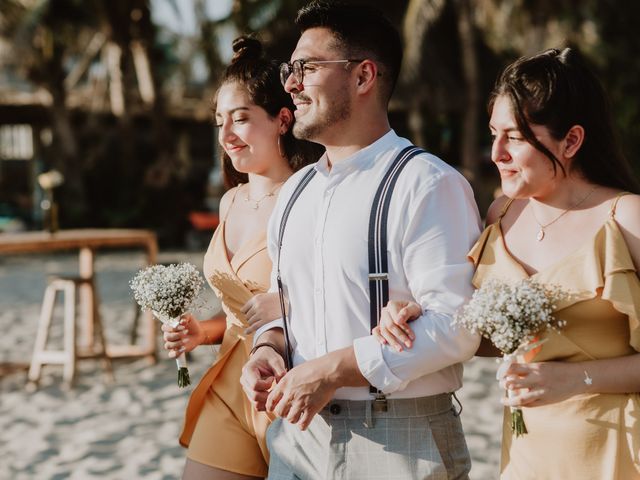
(620, 283)
(605, 268)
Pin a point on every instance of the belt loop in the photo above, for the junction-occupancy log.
(453, 407)
(368, 417)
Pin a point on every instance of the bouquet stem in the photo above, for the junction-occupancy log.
(518, 426)
(517, 422)
(183, 372)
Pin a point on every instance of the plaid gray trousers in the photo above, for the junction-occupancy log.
(418, 438)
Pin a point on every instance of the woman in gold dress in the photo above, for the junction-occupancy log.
(570, 217)
(224, 435)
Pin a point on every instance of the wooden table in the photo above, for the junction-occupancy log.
(87, 241)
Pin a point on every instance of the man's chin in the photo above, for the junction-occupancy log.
(304, 132)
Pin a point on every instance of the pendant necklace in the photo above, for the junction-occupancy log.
(255, 204)
(541, 232)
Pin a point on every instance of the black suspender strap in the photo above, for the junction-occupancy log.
(306, 178)
(378, 263)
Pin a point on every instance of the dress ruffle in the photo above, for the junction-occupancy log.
(603, 266)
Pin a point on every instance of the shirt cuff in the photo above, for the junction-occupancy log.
(372, 365)
(269, 326)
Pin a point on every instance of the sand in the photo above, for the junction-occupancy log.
(128, 429)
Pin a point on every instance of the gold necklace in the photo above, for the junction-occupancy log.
(255, 204)
(540, 235)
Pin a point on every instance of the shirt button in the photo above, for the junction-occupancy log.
(335, 408)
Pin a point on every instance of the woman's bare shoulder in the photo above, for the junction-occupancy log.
(495, 209)
(226, 200)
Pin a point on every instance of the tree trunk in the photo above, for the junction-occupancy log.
(466, 32)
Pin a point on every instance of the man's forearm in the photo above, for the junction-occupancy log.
(342, 369)
(274, 336)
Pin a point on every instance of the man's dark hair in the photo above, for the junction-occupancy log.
(361, 32)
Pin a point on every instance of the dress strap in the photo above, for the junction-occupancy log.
(233, 198)
(505, 208)
(614, 204)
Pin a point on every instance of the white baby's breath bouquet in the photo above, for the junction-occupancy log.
(511, 315)
(168, 291)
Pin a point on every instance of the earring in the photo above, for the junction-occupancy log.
(283, 154)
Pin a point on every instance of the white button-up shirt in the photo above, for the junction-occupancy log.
(433, 222)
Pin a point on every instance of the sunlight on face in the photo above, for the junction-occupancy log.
(524, 170)
(246, 132)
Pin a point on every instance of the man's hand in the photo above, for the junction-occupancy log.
(260, 372)
(307, 388)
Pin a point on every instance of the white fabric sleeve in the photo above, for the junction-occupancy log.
(442, 225)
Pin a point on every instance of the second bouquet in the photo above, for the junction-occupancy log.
(511, 315)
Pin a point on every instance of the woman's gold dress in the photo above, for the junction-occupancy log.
(221, 427)
(588, 436)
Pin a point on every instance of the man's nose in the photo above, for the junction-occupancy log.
(291, 85)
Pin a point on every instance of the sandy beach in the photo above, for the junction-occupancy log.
(128, 429)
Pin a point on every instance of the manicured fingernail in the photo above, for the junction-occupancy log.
(407, 344)
(398, 348)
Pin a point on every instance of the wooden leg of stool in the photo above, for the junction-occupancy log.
(46, 314)
(69, 371)
(97, 324)
(134, 327)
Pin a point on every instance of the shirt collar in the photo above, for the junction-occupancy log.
(361, 159)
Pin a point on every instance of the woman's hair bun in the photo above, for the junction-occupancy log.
(247, 48)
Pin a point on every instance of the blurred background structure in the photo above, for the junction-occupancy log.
(116, 94)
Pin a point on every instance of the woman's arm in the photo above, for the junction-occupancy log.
(488, 349)
(544, 383)
(262, 309)
(628, 218)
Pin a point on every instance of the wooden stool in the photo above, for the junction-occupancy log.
(70, 352)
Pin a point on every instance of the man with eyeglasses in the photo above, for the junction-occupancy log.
(330, 424)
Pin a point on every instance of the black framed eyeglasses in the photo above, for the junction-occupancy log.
(298, 67)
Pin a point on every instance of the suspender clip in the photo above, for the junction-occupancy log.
(380, 402)
(377, 277)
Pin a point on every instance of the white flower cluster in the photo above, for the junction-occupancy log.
(167, 290)
(511, 314)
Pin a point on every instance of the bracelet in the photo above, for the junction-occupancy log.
(587, 379)
(266, 344)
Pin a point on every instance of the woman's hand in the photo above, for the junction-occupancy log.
(542, 383)
(393, 328)
(260, 310)
(183, 338)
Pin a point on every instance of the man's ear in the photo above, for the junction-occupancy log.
(367, 73)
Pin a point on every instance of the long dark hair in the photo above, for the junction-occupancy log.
(261, 78)
(557, 89)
